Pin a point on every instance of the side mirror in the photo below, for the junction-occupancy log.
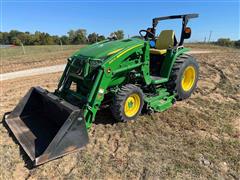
(187, 33)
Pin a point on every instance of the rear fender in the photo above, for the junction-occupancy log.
(169, 60)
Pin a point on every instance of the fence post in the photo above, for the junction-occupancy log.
(61, 44)
(24, 52)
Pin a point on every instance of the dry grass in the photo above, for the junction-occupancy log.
(195, 139)
(13, 59)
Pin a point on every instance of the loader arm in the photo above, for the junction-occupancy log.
(113, 71)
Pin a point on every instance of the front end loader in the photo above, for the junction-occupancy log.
(143, 73)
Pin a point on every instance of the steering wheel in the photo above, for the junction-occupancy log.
(147, 35)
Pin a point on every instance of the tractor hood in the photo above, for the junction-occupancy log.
(103, 49)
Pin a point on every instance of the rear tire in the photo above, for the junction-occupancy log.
(184, 77)
(127, 103)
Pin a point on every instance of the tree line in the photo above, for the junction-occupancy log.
(74, 37)
(78, 36)
(227, 42)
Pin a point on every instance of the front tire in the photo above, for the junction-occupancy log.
(184, 77)
(127, 103)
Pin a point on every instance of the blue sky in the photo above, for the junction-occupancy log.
(58, 17)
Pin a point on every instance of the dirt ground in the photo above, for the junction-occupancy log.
(198, 138)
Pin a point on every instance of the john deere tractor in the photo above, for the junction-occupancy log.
(149, 73)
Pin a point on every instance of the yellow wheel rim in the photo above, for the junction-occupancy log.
(188, 78)
(132, 105)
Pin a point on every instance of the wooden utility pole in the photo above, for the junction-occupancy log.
(210, 35)
(205, 39)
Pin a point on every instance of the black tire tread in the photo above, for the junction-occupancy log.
(172, 84)
(119, 100)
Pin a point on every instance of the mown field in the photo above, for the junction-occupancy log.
(198, 138)
(14, 59)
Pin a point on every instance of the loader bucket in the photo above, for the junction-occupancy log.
(47, 127)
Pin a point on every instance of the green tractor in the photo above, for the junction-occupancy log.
(145, 73)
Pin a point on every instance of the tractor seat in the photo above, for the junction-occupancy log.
(165, 40)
